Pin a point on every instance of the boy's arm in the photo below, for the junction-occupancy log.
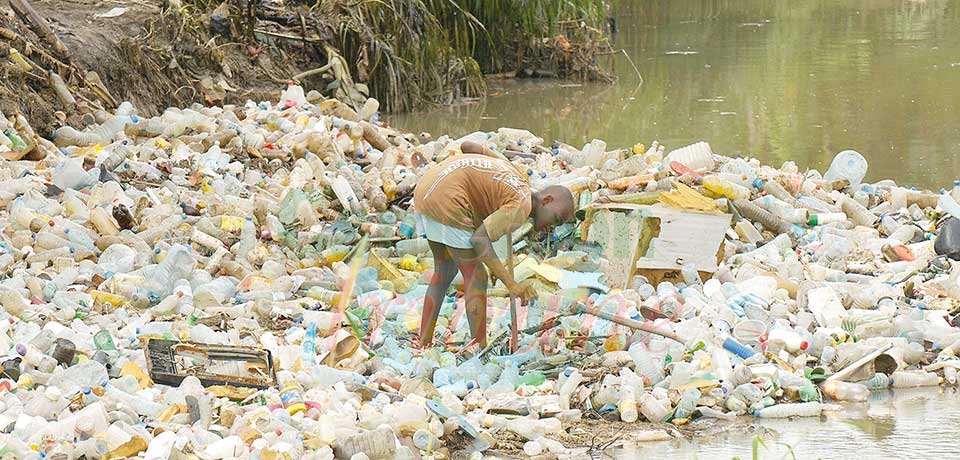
(483, 246)
(494, 227)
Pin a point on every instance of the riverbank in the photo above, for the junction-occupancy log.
(407, 55)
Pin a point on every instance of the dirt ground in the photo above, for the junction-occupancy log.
(152, 58)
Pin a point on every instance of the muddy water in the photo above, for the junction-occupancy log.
(774, 79)
(916, 424)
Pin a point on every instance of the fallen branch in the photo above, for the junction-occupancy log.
(309, 73)
(288, 36)
(39, 25)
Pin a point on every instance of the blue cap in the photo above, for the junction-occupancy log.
(757, 183)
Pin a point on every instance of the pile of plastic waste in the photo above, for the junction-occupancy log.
(244, 281)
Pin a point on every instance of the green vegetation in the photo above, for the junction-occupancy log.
(417, 52)
(414, 53)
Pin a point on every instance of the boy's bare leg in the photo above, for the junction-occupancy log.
(475, 281)
(445, 269)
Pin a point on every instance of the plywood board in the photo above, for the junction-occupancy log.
(654, 239)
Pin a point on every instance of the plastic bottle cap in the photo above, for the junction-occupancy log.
(803, 344)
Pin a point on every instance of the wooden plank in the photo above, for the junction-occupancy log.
(654, 240)
(684, 237)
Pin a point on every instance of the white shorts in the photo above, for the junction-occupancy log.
(444, 234)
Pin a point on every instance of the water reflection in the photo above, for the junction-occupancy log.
(777, 80)
(916, 423)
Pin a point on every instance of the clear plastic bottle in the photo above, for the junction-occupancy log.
(654, 409)
(845, 391)
(425, 440)
(688, 403)
(856, 211)
(849, 165)
(379, 443)
(807, 409)
(907, 379)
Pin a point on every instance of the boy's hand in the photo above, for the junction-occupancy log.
(525, 291)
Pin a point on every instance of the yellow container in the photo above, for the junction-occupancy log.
(112, 299)
(335, 254)
(410, 262)
(292, 398)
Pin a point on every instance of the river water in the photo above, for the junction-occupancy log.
(776, 80)
(914, 424)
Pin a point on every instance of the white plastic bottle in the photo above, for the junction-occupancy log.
(629, 411)
(568, 387)
(907, 379)
(792, 341)
(654, 409)
(647, 367)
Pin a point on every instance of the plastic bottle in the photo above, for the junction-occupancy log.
(757, 214)
(849, 165)
(725, 188)
(646, 366)
(688, 403)
(627, 406)
(698, 156)
(907, 379)
(568, 387)
(414, 247)
(425, 440)
(653, 409)
(856, 211)
(292, 397)
(948, 203)
(534, 429)
(774, 188)
(825, 218)
(807, 409)
(690, 275)
(792, 341)
(879, 381)
(845, 391)
(783, 210)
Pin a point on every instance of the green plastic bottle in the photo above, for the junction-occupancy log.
(532, 378)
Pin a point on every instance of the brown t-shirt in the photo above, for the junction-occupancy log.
(469, 190)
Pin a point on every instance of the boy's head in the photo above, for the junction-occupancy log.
(553, 206)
